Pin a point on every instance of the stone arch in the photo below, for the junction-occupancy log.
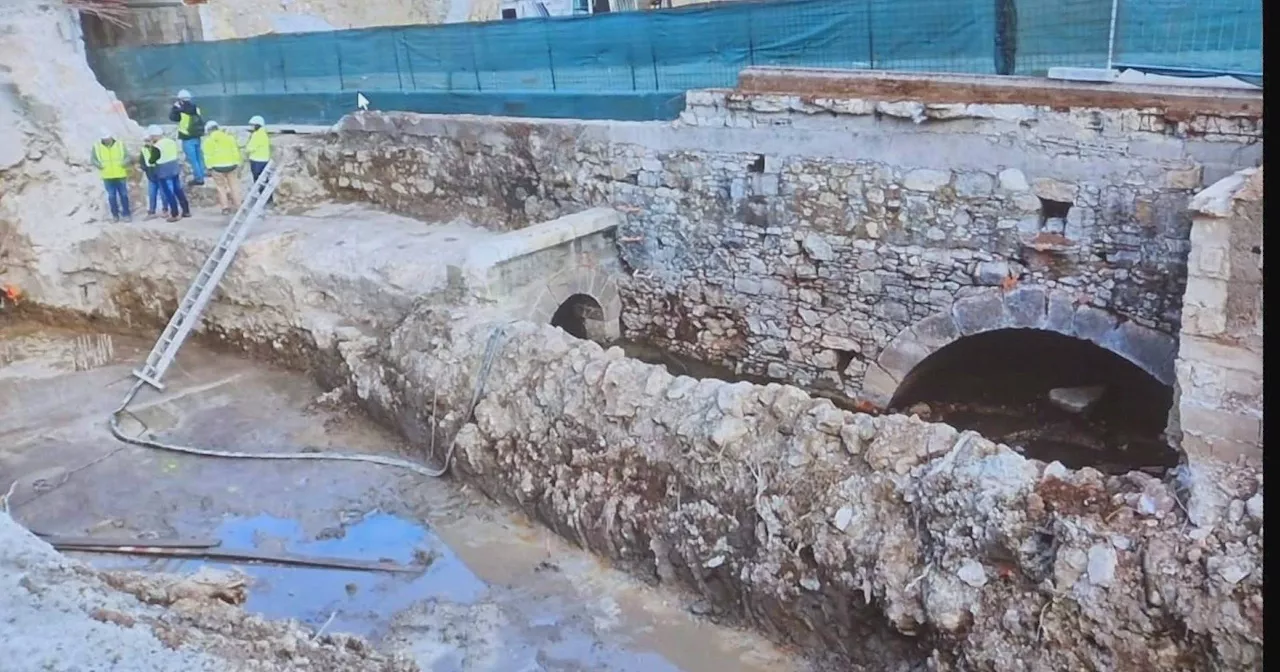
(580, 316)
(1027, 307)
(591, 282)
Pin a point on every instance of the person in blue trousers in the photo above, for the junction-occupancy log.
(169, 172)
(109, 158)
(147, 160)
(190, 129)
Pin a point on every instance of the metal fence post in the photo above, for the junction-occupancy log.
(284, 77)
(871, 37)
(475, 63)
(551, 63)
(337, 52)
(1111, 36)
(653, 52)
(395, 51)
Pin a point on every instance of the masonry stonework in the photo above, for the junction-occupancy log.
(794, 239)
(1219, 367)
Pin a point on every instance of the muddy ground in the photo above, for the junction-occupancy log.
(497, 593)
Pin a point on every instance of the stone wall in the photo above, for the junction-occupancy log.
(795, 238)
(887, 541)
(1220, 401)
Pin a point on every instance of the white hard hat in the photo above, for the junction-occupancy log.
(210, 125)
(184, 95)
(154, 131)
(257, 120)
(106, 133)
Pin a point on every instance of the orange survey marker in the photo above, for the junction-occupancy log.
(12, 293)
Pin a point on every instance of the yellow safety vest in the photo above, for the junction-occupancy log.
(259, 146)
(111, 160)
(185, 123)
(168, 150)
(220, 150)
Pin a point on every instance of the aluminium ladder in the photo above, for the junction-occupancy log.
(192, 306)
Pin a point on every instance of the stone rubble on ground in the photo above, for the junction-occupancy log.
(1076, 399)
(940, 533)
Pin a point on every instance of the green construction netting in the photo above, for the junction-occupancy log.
(638, 65)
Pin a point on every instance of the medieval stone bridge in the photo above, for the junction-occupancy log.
(834, 243)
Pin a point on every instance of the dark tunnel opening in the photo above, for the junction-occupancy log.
(1052, 397)
(576, 315)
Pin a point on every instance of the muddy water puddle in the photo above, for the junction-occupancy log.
(352, 601)
(496, 594)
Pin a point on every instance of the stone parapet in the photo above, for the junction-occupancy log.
(1218, 405)
(1219, 362)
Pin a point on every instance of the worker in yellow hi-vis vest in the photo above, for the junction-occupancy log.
(258, 148)
(112, 162)
(222, 157)
(190, 127)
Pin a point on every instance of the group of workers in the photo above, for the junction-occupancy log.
(211, 151)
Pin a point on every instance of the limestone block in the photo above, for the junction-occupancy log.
(1210, 232)
(903, 354)
(1025, 307)
(825, 359)
(1216, 199)
(1206, 450)
(1027, 202)
(817, 248)
(1055, 190)
(1092, 324)
(1186, 178)
(974, 185)
(1199, 349)
(906, 109)
(839, 342)
(1211, 423)
(1012, 179)
(976, 314)
(936, 330)
(1151, 350)
(926, 180)
(1209, 262)
(1076, 399)
(878, 386)
(1203, 321)
(991, 273)
(1209, 293)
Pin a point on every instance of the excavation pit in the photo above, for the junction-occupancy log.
(493, 586)
(791, 236)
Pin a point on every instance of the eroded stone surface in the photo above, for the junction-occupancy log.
(750, 496)
(789, 272)
(1219, 401)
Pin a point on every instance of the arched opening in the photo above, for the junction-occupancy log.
(1051, 396)
(581, 316)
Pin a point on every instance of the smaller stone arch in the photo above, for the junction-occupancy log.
(581, 316)
(1026, 307)
(565, 289)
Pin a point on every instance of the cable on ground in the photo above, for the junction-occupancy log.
(496, 337)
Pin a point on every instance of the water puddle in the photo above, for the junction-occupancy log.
(446, 617)
(360, 602)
